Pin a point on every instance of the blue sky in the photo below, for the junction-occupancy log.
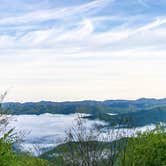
(82, 49)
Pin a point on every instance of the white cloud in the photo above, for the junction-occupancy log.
(73, 59)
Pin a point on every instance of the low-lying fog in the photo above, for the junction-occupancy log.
(46, 130)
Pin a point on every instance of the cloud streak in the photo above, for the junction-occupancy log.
(55, 13)
(92, 50)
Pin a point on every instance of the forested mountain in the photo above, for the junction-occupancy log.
(88, 106)
(139, 112)
(134, 119)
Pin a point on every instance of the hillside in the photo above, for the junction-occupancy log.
(89, 106)
(134, 119)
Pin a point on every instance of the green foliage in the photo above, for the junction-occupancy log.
(66, 148)
(9, 158)
(7, 138)
(28, 160)
(147, 149)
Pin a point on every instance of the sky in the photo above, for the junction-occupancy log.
(82, 49)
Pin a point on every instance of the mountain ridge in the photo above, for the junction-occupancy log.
(84, 106)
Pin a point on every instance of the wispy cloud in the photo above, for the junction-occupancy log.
(93, 49)
(56, 13)
(143, 2)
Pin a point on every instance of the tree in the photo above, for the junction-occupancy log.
(89, 146)
(7, 138)
(147, 149)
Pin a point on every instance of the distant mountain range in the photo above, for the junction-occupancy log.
(87, 106)
(142, 111)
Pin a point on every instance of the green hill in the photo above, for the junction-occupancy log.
(134, 119)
